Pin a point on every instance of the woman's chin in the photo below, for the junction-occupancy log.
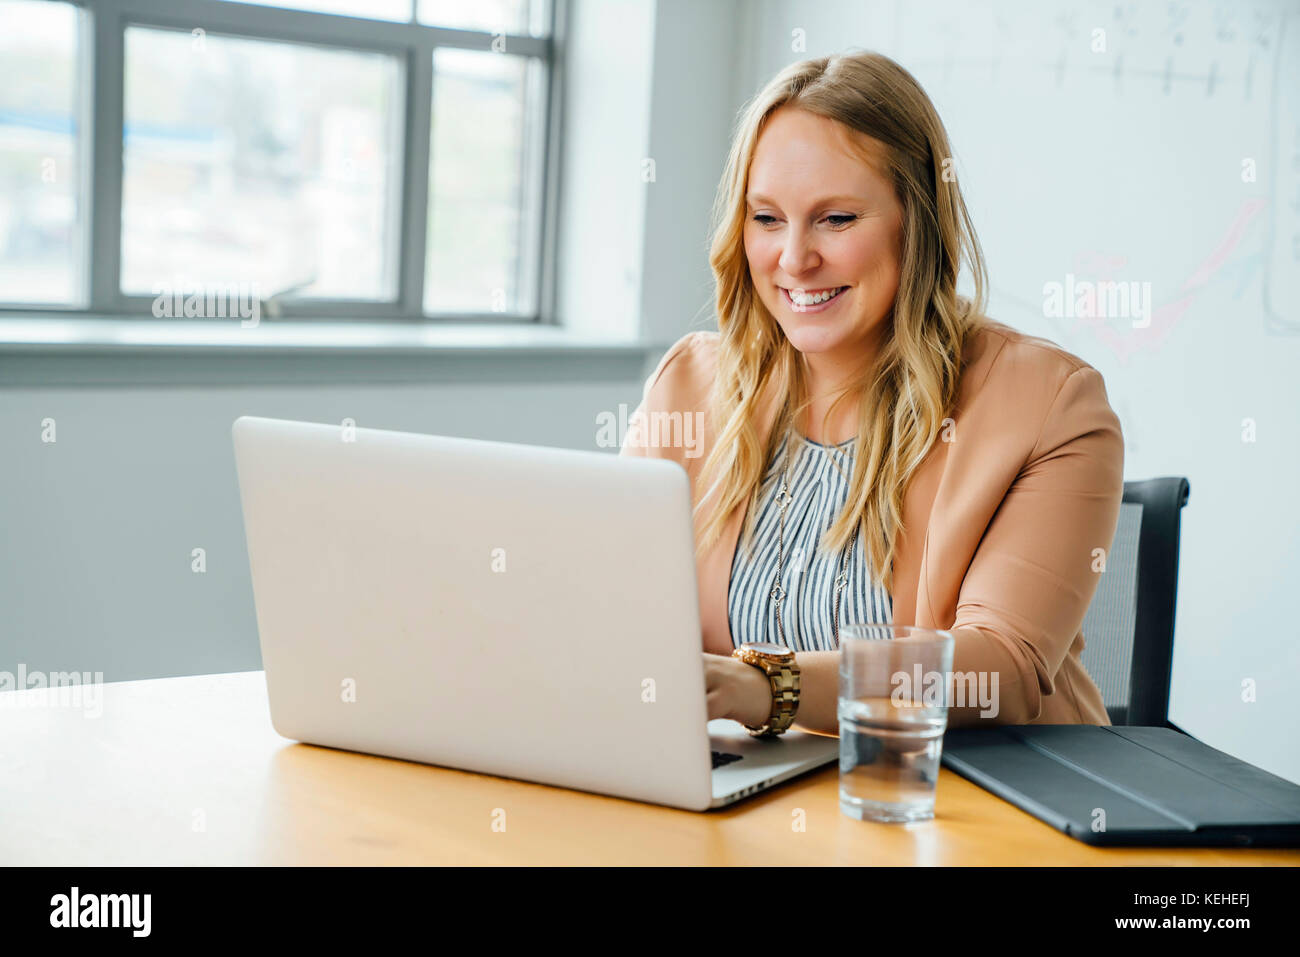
(809, 338)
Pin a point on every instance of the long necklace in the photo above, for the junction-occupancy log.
(777, 594)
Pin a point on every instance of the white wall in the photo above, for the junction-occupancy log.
(98, 527)
(607, 84)
(652, 90)
(696, 65)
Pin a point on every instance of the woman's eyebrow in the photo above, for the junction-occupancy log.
(760, 198)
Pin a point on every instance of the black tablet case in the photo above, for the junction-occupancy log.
(1157, 787)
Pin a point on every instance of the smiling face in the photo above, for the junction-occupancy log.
(820, 221)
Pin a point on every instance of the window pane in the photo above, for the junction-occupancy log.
(484, 182)
(247, 161)
(41, 213)
(520, 17)
(372, 9)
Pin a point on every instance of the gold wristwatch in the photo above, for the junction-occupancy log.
(778, 663)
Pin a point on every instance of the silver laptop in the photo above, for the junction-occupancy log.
(512, 610)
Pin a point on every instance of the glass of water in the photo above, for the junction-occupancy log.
(893, 711)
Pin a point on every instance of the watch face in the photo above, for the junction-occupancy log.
(767, 648)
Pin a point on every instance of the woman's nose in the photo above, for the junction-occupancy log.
(799, 254)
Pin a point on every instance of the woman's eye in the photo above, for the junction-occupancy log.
(763, 219)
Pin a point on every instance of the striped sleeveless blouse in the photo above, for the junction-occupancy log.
(819, 487)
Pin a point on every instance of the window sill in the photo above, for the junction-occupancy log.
(115, 335)
(39, 351)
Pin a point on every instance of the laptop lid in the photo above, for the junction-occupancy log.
(514, 610)
(1128, 785)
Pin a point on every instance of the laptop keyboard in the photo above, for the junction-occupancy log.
(724, 757)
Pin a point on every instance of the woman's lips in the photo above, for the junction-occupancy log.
(819, 307)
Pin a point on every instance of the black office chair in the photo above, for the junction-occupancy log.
(1128, 631)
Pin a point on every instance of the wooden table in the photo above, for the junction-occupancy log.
(189, 771)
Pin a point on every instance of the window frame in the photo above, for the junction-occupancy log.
(101, 77)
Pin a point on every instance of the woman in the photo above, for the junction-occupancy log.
(959, 474)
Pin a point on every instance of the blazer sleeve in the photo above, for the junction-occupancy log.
(661, 393)
(1029, 584)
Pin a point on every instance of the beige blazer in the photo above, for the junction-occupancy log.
(1002, 522)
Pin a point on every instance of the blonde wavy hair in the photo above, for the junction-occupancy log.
(904, 398)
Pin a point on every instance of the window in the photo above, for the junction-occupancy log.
(376, 9)
(510, 16)
(42, 221)
(356, 159)
(236, 171)
(483, 205)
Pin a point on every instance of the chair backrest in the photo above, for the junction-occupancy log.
(1128, 630)
(1111, 621)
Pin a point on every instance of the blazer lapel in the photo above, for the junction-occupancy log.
(910, 603)
(949, 500)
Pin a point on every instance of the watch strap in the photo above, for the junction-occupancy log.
(783, 677)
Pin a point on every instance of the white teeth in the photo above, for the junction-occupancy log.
(800, 298)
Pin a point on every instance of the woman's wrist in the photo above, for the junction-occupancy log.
(751, 695)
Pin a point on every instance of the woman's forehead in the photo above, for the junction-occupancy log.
(798, 147)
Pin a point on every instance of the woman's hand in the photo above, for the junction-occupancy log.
(736, 690)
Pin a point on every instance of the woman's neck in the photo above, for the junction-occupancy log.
(825, 386)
